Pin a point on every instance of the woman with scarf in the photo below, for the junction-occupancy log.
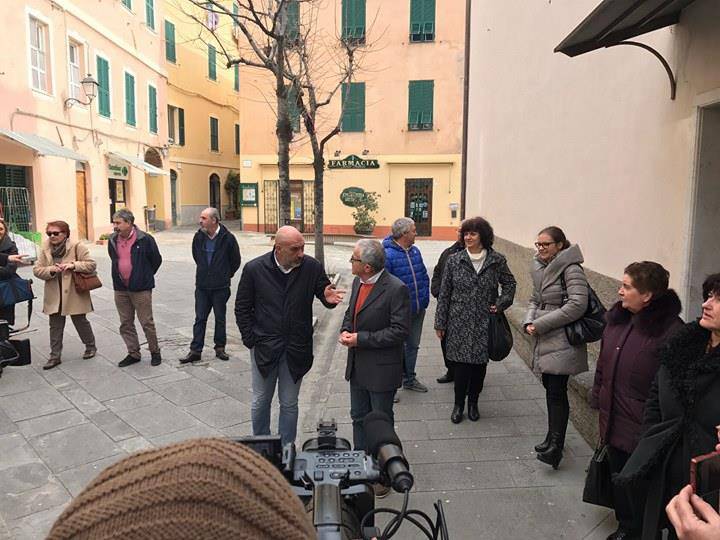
(681, 413)
(59, 258)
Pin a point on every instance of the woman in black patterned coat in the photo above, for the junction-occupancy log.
(468, 294)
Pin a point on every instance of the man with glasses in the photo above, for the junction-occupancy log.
(135, 261)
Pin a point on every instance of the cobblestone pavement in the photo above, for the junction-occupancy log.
(59, 428)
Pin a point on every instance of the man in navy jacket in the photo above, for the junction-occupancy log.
(217, 256)
(273, 309)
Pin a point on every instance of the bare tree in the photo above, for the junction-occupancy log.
(309, 67)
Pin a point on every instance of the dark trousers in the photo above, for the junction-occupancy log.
(448, 365)
(469, 380)
(362, 402)
(628, 508)
(206, 300)
(558, 406)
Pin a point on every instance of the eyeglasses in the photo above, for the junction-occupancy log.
(544, 245)
(54, 233)
(354, 259)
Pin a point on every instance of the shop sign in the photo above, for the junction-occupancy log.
(353, 162)
(117, 169)
(352, 196)
(248, 194)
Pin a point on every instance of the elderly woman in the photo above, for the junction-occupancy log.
(560, 297)
(59, 258)
(468, 294)
(637, 326)
(681, 413)
(7, 247)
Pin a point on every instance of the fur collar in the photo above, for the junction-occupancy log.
(654, 319)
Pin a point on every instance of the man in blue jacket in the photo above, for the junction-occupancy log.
(404, 261)
(217, 256)
(135, 261)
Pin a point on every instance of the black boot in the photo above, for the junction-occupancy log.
(473, 412)
(543, 446)
(447, 378)
(457, 414)
(554, 453)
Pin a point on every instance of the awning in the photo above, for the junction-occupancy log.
(152, 170)
(41, 146)
(614, 21)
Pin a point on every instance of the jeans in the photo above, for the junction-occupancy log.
(263, 391)
(206, 300)
(412, 344)
(469, 381)
(557, 403)
(362, 402)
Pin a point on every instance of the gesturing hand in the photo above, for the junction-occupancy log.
(333, 295)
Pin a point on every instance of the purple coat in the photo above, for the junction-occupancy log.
(627, 365)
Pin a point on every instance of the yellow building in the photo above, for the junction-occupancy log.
(202, 111)
(402, 138)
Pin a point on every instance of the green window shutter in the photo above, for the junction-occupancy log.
(212, 66)
(103, 73)
(292, 30)
(236, 12)
(214, 128)
(420, 105)
(129, 99)
(152, 109)
(237, 139)
(353, 103)
(170, 42)
(236, 82)
(127, 4)
(353, 20)
(150, 13)
(293, 109)
(181, 126)
(422, 20)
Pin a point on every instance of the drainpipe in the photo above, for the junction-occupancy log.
(466, 99)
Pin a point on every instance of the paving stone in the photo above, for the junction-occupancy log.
(175, 375)
(16, 451)
(83, 400)
(112, 425)
(197, 432)
(523, 391)
(135, 444)
(35, 526)
(459, 476)
(77, 478)
(439, 451)
(50, 494)
(6, 425)
(220, 413)
(74, 446)
(485, 427)
(17, 380)
(143, 370)
(23, 478)
(58, 379)
(33, 404)
(115, 386)
(188, 392)
(159, 419)
(243, 430)
(233, 388)
(533, 473)
(51, 422)
(493, 409)
(135, 401)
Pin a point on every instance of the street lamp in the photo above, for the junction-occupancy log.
(89, 86)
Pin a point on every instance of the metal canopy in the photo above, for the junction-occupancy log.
(152, 170)
(41, 146)
(614, 21)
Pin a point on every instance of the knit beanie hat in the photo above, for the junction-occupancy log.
(197, 489)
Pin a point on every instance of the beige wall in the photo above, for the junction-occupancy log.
(593, 143)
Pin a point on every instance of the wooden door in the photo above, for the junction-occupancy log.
(418, 204)
(81, 203)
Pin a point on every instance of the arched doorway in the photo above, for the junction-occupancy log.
(173, 196)
(215, 191)
(153, 157)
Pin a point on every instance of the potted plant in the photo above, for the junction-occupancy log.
(104, 237)
(364, 213)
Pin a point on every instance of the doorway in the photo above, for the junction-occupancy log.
(215, 191)
(81, 203)
(297, 202)
(418, 204)
(117, 195)
(704, 257)
(173, 196)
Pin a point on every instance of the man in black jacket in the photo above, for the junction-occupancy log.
(435, 291)
(135, 261)
(217, 256)
(273, 310)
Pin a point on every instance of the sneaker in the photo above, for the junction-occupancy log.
(155, 359)
(381, 491)
(447, 378)
(90, 352)
(221, 354)
(415, 386)
(128, 361)
(192, 356)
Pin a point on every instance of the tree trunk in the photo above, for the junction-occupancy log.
(284, 136)
(319, 168)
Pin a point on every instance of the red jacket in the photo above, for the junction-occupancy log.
(627, 365)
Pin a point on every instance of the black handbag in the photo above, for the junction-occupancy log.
(500, 339)
(598, 488)
(588, 328)
(15, 290)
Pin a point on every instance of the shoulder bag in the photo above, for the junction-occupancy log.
(588, 328)
(598, 488)
(85, 282)
(15, 290)
(500, 339)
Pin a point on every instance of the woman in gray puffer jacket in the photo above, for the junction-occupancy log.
(553, 356)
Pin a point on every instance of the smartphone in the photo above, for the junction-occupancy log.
(705, 476)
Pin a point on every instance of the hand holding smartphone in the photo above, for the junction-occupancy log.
(705, 476)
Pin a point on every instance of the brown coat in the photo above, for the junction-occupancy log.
(73, 302)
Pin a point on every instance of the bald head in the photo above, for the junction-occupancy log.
(289, 246)
(210, 220)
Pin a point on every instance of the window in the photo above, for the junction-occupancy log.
(214, 128)
(181, 126)
(176, 125)
(420, 105)
(129, 99)
(39, 56)
(236, 82)
(353, 105)
(152, 109)
(172, 118)
(237, 139)
(293, 109)
(127, 4)
(75, 68)
(103, 91)
(170, 42)
(212, 67)
(213, 17)
(150, 14)
(292, 28)
(353, 20)
(422, 20)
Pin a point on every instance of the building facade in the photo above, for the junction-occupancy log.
(202, 110)
(401, 134)
(61, 158)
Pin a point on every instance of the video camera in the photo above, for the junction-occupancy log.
(13, 352)
(335, 482)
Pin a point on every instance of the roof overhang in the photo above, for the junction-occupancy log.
(41, 146)
(614, 21)
(139, 163)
